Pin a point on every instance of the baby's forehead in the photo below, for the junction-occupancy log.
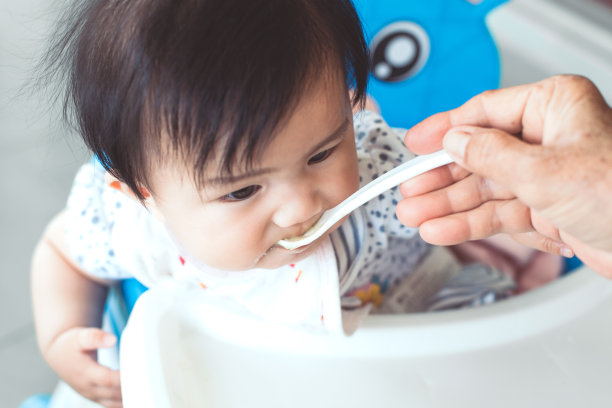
(215, 155)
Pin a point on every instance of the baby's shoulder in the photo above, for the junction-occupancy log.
(380, 148)
(375, 138)
(90, 217)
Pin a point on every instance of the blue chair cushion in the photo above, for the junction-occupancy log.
(36, 401)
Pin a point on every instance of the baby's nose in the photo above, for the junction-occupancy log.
(299, 209)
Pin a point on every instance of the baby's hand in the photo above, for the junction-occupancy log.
(73, 356)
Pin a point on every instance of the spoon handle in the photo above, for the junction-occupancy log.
(392, 178)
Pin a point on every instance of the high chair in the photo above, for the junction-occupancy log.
(548, 347)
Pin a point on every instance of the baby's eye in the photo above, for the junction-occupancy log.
(241, 194)
(319, 157)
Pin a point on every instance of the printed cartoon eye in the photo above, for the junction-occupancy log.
(321, 156)
(399, 51)
(242, 194)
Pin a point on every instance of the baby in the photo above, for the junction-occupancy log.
(220, 127)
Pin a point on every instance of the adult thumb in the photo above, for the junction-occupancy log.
(493, 154)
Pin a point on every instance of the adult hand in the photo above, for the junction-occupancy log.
(534, 161)
(73, 356)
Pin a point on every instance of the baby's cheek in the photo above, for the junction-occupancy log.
(349, 183)
(226, 254)
(242, 245)
(351, 170)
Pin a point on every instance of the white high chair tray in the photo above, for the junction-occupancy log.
(549, 347)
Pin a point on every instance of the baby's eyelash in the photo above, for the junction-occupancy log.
(321, 156)
(242, 194)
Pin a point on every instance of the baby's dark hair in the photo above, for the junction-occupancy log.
(191, 76)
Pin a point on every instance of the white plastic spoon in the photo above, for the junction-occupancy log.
(392, 178)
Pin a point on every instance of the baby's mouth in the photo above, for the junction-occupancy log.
(277, 246)
(305, 233)
(295, 250)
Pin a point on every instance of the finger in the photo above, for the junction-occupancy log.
(490, 218)
(426, 136)
(545, 227)
(108, 394)
(541, 242)
(462, 196)
(503, 158)
(598, 260)
(503, 109)
(433, 180)
(103, 384)
(111, 403)
(104, 377)
(94, 338)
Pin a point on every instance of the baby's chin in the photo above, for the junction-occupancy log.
(273, 258)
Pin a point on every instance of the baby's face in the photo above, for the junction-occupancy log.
(234, 224)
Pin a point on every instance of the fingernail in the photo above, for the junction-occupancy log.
(108, 340)
(566, 251)
(455, 142)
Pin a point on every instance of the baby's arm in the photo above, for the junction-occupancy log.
(68, 306)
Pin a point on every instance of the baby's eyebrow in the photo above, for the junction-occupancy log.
(232, 179)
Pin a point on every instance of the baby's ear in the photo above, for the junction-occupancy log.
(149, 202)
(115, 184)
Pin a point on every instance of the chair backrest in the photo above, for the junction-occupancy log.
(428, 56)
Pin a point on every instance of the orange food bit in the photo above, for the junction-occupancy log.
(144, 192)
(115, 184)
(373, 294)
